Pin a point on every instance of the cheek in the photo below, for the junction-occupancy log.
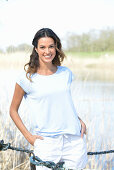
(54, 51)
(40, 52)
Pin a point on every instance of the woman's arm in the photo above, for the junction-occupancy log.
(83, 127)
(16, 101)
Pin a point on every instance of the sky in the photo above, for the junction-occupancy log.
(21, 19)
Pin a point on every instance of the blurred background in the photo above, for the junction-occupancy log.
(86, 30)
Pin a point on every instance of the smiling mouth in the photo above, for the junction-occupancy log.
(48, 56)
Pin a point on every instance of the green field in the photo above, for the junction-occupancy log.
(90, 54)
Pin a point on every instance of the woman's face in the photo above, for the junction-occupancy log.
(46, 50)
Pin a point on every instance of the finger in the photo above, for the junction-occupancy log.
(84, 129)
(82, 133)
(85, 132)
(40, 137)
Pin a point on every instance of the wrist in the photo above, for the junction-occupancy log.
(28, 136)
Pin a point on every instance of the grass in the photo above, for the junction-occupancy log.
(12, 160)
(104, 60)
(99, 69)
(90, 54)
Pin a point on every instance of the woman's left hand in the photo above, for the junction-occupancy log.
(83, 128)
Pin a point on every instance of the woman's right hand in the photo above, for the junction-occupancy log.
(33, 138)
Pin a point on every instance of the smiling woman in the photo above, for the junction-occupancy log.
(58, 133)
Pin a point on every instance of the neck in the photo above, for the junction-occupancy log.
(46, 69)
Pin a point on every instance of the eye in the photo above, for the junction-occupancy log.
(42, 47)
(52, 46)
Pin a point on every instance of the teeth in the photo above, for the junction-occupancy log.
(48, 56)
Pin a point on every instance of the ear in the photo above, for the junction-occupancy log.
(36, 50)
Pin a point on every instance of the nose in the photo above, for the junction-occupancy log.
(47, 50)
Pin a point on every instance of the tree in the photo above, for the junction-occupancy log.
(102, 40)
(11, 49)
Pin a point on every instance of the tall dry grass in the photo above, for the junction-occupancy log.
(10, 65)
(10, 160)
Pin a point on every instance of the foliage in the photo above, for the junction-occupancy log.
(1, 51)
(19, 48)
(93, 41)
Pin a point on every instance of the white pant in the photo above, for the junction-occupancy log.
(69, 149)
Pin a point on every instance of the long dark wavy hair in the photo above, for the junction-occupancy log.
(33, 64)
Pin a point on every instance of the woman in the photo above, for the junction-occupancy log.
(58, 132)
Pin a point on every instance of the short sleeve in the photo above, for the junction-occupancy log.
(72, 76)
(23, 82)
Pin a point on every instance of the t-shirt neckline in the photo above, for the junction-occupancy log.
(48, 75)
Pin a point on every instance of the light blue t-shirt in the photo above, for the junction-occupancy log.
(50, 105)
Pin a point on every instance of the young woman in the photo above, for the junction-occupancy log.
(58, 132)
